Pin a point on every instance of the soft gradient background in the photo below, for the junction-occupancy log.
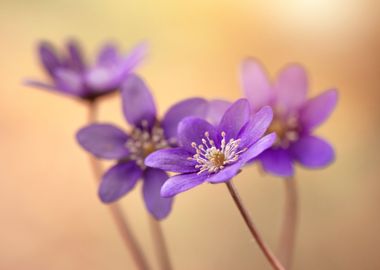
(50, 215)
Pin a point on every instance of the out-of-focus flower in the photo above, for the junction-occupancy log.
(214, 154)
(130, 149)
(295, 117)
(71, 75)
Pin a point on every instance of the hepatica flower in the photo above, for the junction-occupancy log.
(213, 153)
(295, 117)
(129, 149)
(71, 75)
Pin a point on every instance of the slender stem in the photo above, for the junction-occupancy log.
(275, 263)
(160, 245)
(289, 224)
(117, 214)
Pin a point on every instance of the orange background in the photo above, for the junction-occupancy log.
(51, 217)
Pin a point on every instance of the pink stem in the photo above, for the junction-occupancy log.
(275, 263)
(117, 214)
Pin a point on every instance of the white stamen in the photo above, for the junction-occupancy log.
(212, 159)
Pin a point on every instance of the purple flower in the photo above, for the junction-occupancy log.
(295, 117)
(213, 153)
(71, 75)
(130, 149)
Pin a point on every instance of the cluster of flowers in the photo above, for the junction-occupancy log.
(200, 140)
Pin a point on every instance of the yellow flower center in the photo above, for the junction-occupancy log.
(286, 129)
(143, 142)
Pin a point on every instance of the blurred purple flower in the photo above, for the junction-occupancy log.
(130, 149)
(295, 117)
(213, 153)
(71, 75)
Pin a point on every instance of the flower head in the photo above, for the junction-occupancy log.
(295, 117)
(71, 75)
(213, 153)
(129, 149)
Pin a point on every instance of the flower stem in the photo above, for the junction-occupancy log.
(289, 223)
(160, 245)
(117, 214)
(275, 263)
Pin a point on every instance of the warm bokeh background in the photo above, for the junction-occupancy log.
(50, 215)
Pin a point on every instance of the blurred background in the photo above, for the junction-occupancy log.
(51, 217)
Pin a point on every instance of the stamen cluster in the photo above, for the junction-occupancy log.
(287, 130)
(212, 159)
(143, 141)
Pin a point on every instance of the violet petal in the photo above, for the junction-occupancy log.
(256, 127)
(255, 83)
(76, 56)
(49, 57)
(236, 116)
(158, 206)
(101, 79)
(316, 110)
(118, 181)
(278, 162)
(69, 81)
(133, 60)
(42, 85)
(291, 87)
(226, 174)
(192, 130)
(216, 110)
(171, 160)
(312, 152)
(108, 55)
(258, 147)
(103, 140)
(188, 107)
(180, 183)
(138, 103)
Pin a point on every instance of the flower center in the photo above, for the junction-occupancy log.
(144, 141)
(286, 129)
(212, 159)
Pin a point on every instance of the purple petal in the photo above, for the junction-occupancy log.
(180, 183)
(226, 174)
(103, 140)
(278, 162)
(216, 110)
(189, 107)
(256, 86)
(134, 59)
(236, 116)
(260, 146)
(171, 160)
(76, 57)
(312, 152)
(192, 130)
(291, 87)
(48, 57)
(118, 181)
(42, 85)
(138, 103)
(256, 127)
(69, 81)
(108, 55)
(101, 78)
(316, 110)
(158, 206)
